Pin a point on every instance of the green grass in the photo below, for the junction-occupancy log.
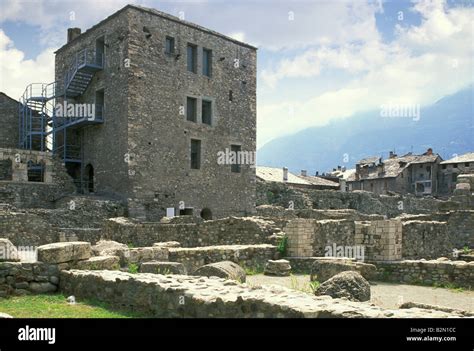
(253, 270)
(56, 306)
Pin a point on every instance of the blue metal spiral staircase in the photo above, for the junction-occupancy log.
(41, 127)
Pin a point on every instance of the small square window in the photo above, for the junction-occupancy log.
(467, 164)
(169, 45)
(207, 112)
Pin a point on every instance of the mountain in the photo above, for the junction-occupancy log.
(447, 126)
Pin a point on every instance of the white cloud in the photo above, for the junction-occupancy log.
(423, 64)
(16, 72)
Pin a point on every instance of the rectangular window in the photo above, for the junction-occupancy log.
(206, 62)
(206, 112)
(191, 109)
(195, 154)
(235, 167)
(192, 58)
(169, 47)
(466, 164)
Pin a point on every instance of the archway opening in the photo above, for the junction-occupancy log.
(89, 178)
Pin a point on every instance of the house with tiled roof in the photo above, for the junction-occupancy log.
(416, 174)
(452, 168)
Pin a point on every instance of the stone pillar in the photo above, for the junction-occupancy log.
(300, 237)
(382, 239)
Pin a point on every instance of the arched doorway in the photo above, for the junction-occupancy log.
(89, 178)
(206, 214)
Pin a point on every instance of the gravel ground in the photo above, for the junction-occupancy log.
(386, 295)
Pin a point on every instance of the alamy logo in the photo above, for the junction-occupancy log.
(229, 157)
(75, 110)
(401, 111)
(37, 334)
(357, 251)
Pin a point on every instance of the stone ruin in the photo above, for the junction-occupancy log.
(187, 267)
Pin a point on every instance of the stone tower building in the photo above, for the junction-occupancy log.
(168, 96)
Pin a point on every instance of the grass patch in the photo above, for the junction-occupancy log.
(449, 286)
(133, 268)
(56, 306)
(253, 270)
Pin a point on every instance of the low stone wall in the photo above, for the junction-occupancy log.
(380, 240)
(19, 278)
(443, 272)
(73, 219)
(303, 265)
(426, 239)
(362, 201)
(187, 296)
(251, 256)
(227, 231)
(459, 225)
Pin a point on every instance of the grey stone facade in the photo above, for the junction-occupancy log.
(9, 119)
(141, 151)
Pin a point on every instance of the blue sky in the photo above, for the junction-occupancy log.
(317, 60)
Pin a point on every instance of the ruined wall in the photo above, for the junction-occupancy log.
(361, 201)
(227, 231)
(19, 278)
(21, 193)
(160, 136)
(457, 273)
(460, 225)
(380, 239)
(82, 221)
(186, 296)
(249, 256)
(427, 239)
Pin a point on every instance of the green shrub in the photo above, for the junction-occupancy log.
(133, 268)
(283, 246)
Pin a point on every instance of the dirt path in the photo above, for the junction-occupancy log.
(386, 295)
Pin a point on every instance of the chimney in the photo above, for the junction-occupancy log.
(343, 168)
(73, 33)
(285, 174)
(317, 173)
(304, 173)
(338, 168)
(392, 155)
(429, 152)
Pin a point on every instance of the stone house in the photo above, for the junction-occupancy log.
(452, 168)
(155, 99)
(415, 174)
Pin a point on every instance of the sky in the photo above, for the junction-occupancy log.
(318, 61)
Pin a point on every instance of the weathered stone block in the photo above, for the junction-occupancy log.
(99, 263)
(64, 252)
(163, 267)
(350, 285)
(8, 251)
(277, 267)
(224, 269)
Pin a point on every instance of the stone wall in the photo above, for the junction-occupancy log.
(426, 239)
(9, 120)
(442, 272)
(380, 240)
(71, 221)
(460, 225)
(361, 201)
(187, 296)
(21, 193)
(250, 256)
(19, 278)
(227, 231)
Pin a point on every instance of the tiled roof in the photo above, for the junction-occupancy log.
(272, 174)
(320, 181)
(469, 157)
